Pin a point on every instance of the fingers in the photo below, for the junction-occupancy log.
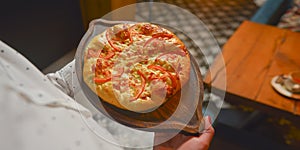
(209, 130)
(183, 142)
(203, 141)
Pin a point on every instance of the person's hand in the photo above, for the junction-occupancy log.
(183, 142)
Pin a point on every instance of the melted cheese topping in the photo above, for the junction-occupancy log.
(141, 62)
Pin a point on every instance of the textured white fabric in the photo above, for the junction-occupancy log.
(35, 115)
(66, 80)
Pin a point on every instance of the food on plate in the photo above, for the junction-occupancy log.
(136, 67)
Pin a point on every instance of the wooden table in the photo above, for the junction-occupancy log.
(253, 55)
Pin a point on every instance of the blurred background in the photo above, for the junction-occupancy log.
(48, 33)
(44, 31)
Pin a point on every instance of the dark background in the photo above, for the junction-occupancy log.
(42, 31)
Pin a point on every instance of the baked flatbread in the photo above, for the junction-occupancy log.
(136, 67)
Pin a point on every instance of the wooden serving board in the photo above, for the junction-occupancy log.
(183, 112)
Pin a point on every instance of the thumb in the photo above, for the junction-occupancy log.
(203, 141)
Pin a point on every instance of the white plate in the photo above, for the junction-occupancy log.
(282, 90)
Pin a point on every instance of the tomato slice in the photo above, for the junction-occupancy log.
(147, 29)
(142, 87)
(120, 37)
(173, 79)
(109, 76)
(101, 80)
(110, 55)
(112, 43)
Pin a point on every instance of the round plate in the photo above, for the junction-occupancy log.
(281, 89)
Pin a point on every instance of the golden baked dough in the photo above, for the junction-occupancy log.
(136, 67)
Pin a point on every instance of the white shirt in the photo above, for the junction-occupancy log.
(35, 114)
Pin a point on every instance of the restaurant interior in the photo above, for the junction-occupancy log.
(255, 41)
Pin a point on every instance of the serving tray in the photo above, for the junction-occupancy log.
(183, 112)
